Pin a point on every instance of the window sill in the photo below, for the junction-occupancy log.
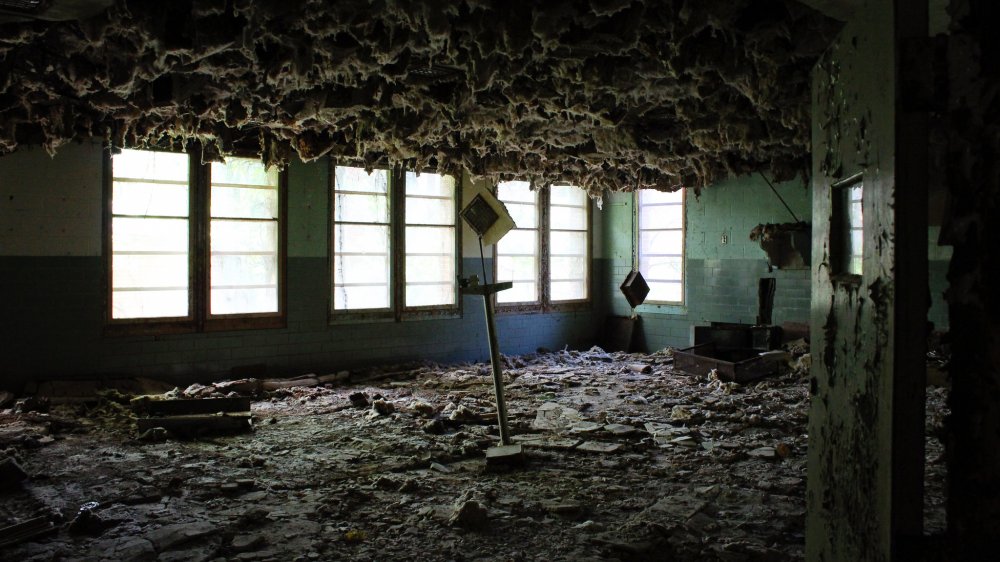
(663, 308)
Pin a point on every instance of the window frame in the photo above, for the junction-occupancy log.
(667, 306)
(397, 311)
(199, 318)
(841, 227)
(544, 303)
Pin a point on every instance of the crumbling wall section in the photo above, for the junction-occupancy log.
(850, 432)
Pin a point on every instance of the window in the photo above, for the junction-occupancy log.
(371, 221)
(547, 254)
(191, 246)
(847, 247)
(517, 253)
(660, 255)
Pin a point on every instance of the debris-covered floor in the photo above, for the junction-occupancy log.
(626, 459)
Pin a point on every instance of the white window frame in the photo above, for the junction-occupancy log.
(199, 317)
(397, 310)
(545, 303)
(681, 253)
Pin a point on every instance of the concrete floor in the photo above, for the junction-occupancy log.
(621, 465)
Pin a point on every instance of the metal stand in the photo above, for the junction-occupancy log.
(488, 290)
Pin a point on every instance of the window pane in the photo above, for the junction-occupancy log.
(430, 240)
(361, 266)
(516, 191)
(856, 218)
(351, 297)
(244, 301)
(137, 271)
(149, 304)
(565, 269)
(652, 196)
(361, 239)
(526, 292)
(661, 216)
(347, 178)
(149, 199)
(567, 195)
(662, 269)
(524, 215)
(149, 235)
(360, 269)
(422, 269)
(430, 295)
(421, 210)
(244, 269)
(149, 256)
(244, 236)
(243, 171)
(659, 242)
(665, 292)
(150, 165)
(568, 218)
(568, 278)
(349, 207)
(569, 290)
(518, 243)
(428, 184)
(242, 202)
(568, 243)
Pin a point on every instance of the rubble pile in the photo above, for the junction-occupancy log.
(625, 459)
(617, 94)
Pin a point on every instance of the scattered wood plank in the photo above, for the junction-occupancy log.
(154, 408)
(192, 425)
(21, 532)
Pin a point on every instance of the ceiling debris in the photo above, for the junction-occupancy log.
(608, 94)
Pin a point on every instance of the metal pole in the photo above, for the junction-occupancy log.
(491, 330)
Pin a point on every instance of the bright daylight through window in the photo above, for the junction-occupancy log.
(152, 250)
(547, 254)
(365, 241)
(150, 213)
(661, 244)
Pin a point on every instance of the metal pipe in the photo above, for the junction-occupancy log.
(778, 195)
(497, 371)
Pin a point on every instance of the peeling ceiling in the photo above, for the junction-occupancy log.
(608, 94)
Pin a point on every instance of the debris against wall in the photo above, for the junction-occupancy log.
(607, 93)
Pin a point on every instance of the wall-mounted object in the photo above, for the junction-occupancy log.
(488, 217)
(635, 289)
(787, 245)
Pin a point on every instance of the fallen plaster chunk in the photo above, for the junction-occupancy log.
(599, 447)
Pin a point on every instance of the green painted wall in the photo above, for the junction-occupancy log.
(721, 275)
(52, 282)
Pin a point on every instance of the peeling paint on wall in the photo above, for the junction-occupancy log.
(849, 423)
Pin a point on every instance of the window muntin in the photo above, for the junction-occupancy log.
(394, 243)
(518, 253)
(244, 237)
(547, 254)
(167, 214)
(150, 247)
(362, 264)
(854, 233)
(569, 248)
(661, 244)
(430, 240)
